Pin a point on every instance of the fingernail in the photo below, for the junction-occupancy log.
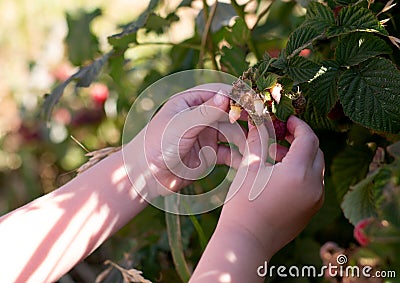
(219, 98)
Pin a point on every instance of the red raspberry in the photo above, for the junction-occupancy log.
(280, 129)
(359, 233)
(99, 93)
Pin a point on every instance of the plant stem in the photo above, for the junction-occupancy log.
(205, 36)
(262, 14)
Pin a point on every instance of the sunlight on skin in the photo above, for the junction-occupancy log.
(231, 256)
(225, 278)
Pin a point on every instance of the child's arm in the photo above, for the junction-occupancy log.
(250, 232)
(42, 240)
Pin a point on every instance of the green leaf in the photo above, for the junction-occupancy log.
(233, 60)
(128, 34)
(323, 90)
(355, 48)
(355, 18)
(82, 44)
(319, 17)
(349, 167)
(268, 80)
(359, 202)
(284, 109)
(301, 69)
(370, 94)
(300, 38)
(83, 77)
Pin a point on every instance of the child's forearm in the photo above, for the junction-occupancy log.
(232, 255)
(45, 238)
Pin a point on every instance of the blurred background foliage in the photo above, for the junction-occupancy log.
(47, 46)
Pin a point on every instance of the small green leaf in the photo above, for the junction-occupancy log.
(355, 48)
(82, 44)
(128, 34)
(370, 94)
(355, 18)
(319, 17)
(284, 109)
(301, 69)
(349, 167)
(268, 80)
(300, 38)
(359, 202)
(323, 90)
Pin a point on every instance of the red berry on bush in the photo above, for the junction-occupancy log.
(99, 93)
(359, 233)
(280, 129)
(336, 112)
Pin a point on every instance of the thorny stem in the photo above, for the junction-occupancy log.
(205, 36)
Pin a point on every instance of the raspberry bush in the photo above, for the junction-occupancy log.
(334, 63)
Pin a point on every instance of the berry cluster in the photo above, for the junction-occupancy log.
(261, 100)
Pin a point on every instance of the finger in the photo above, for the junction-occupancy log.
(233, 134)
(228, 156)
(257, 144)
(305, 143)
(277, 152)
(192, 122)
(200, 94)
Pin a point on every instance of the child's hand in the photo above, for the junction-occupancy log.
(293, 194)
(179, 139)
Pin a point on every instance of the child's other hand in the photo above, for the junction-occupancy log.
(182, 140)
(292, 195)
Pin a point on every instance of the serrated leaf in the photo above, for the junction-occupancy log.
(323, 90)
(301, 69)
(300, 38)
(359, 202)
(349, 167)
(355, 18)
(128, 34)
(284, 109)
(319, 17)
(355, 48)
(268, 80)
(82, 44)
(370, 94)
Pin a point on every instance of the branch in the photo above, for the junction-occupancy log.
(205, 37)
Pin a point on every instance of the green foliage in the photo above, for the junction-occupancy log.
(338, 54)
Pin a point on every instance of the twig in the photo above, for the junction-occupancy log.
(262, 14)
(206, 35)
